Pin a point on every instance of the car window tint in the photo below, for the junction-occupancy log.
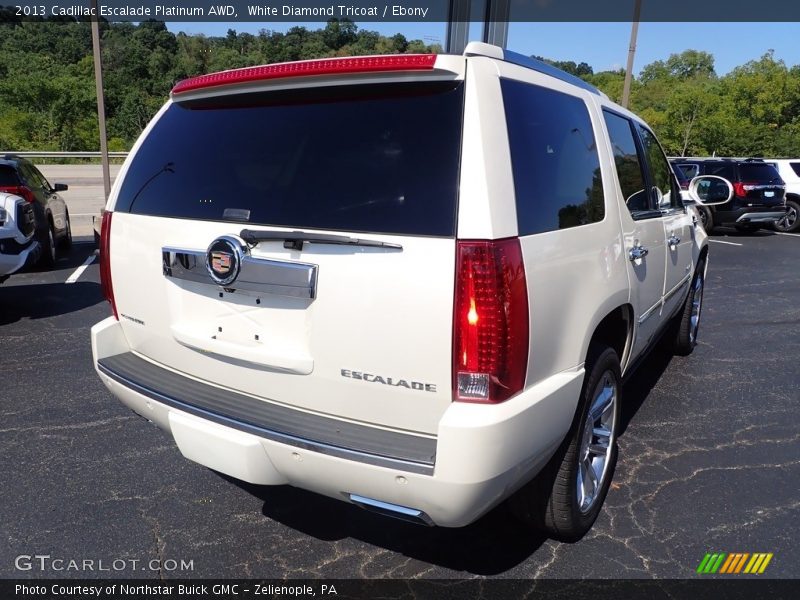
(795, 167)
(40, 176)
(690, 171)
(721, 170)
(660, 171)
(628, 163)
(361, 158)
(680, 175)
(760, 172)
(554, 159)
(8, 176)
(32, 177)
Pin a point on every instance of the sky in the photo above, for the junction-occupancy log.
(604, 46)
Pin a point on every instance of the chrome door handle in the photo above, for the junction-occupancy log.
(637, 252)
(673, 240)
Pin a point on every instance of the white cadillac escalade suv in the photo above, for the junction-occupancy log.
(409, 282)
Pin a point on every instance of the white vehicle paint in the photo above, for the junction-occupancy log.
(789, 170)
(17, 246)
(429, 369)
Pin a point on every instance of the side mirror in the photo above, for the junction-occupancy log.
(60, 187)
(710, 190)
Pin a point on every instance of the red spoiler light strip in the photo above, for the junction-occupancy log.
(325, 66)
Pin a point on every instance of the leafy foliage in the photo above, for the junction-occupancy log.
(752, 111)
(47, 80)
(48, 95)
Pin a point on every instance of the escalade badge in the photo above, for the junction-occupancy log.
(224, 259)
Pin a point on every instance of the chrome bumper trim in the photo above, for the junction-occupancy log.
(761, 217)
(390, 449)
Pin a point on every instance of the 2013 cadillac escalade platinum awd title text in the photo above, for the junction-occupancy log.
(409, 282)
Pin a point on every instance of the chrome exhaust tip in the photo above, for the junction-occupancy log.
(404, 513)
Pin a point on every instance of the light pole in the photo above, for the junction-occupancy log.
(626, 88)
(101, 105)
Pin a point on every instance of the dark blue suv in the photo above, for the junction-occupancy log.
(758, 192)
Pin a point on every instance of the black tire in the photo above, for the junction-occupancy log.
(551, 503)
(66, 240)
(791, 222)
(686, 326)
(48, 242)
(747, 228)
(706, 218)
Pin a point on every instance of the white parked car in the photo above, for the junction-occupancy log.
(409, 282)
(18, 248)
(789, 170)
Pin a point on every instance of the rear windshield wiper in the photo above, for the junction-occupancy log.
(293, 240)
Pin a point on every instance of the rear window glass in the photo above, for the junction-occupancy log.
(724, 170)
(761, 172)
(554, 157)
(8, 176)
(380, 158)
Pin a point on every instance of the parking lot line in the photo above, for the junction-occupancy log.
(789, 234)
(730, 243)
(79, 271)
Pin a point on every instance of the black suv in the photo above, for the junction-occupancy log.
(758, 192)
(19, 176)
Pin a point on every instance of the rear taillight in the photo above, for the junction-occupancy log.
(741, 188)
(19, 190)
(105, 261)
(490, 321)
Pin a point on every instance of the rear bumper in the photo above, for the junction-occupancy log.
(749, 214)
(480, 455)
(761, 217)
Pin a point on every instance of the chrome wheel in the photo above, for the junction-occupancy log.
(697, 306)
(788, 221)
(597, 442)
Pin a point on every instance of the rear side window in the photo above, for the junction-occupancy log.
(380, 158)
(554, 158)
(8, 176)
(721, 170)
(689, 171)
(795, 167)
(760, 172)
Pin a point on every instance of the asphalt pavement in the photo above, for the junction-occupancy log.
(709, 459)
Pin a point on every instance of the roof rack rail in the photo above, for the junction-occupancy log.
(490, 51)
(719, 158)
